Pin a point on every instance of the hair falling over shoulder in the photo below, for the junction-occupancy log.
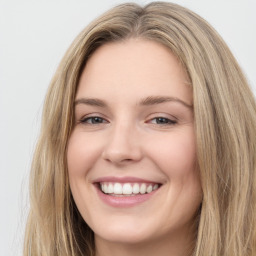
(225, 123)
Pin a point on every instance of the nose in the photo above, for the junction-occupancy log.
(122, 146)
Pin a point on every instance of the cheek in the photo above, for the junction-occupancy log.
(177, 161)
(178, 153)
(82, 152)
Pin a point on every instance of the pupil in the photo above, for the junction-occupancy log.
(96, 120)
(161, 120)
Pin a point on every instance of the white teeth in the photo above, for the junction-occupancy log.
(155, 187)
(118, 189)
(110, 188)
(143, 188)
(105, 188)
(127, 188)
(136, 188)
(149, 189)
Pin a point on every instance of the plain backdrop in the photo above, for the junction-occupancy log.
(33, 38)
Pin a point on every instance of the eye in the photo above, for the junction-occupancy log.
(93, 120)
(163, 121)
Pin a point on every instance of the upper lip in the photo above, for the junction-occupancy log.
(124, 179)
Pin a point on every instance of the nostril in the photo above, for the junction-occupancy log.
(119, 157)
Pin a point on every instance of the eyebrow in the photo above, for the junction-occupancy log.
(153, 100)
(150, 100)
(91, 102)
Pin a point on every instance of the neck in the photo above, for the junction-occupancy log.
(172, 245)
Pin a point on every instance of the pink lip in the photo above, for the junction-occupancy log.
(124, 201)
(122, 179)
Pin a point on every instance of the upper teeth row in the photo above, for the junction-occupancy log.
(127, 188)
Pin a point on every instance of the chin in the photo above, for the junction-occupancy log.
(127, 231)
(124, 236)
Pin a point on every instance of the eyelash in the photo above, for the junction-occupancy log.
(164, 121)
(94, 120)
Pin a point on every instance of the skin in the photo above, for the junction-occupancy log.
(129, 139)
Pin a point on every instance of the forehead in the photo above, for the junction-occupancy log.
(134, 66)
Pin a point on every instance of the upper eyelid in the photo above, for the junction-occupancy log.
(164, 115)
(154, 115)
(92, 114)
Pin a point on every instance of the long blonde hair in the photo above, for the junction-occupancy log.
(225, 123)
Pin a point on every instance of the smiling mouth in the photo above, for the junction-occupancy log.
(122, 192)
(119, 189)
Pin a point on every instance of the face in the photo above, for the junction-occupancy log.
(132, 156)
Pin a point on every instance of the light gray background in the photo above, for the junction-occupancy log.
(33, 37)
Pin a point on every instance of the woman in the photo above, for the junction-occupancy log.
(147, 144)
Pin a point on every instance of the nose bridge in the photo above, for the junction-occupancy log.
(122, 144)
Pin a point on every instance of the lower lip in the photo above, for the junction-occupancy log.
(124, 201)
